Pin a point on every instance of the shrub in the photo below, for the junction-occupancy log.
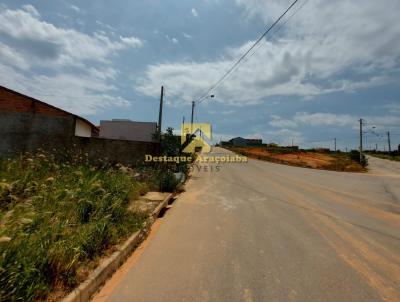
(355, 155)
(170, 143)
(168, 181)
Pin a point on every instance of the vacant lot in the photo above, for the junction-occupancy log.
(326, 161)
(58, 219)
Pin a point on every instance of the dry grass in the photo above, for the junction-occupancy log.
(57, 220)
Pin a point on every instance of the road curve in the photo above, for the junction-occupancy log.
(266, 232)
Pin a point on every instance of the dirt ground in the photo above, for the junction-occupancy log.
(302, 159)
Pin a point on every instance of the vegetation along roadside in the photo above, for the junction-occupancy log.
(58, 218)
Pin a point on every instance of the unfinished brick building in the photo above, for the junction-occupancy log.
(27, 124)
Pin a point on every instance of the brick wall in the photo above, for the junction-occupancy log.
(14, 102)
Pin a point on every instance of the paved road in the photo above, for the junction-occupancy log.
(266, 232)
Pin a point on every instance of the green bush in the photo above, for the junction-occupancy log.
(168, 181)
(170, 144)
(355, 155)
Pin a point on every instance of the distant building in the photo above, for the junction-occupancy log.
(238, 142)
(254, 141)
(242, 142)
(128, 130)
(27, 124)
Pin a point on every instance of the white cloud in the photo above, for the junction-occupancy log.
(75, 8)
(39, 42)
(132, 41)
(31, 10)
(194, 13)
(103, 73)
(110, 28)
(357, 31)
(82, 95)
(173, 40)
(284, 136)
(9, 55)
(279, 122)
(184, 81)
(222, 112)
(69, 80)
(324, 119)
(187, 36)
(393, 108)
(356, 49)
(334, 120)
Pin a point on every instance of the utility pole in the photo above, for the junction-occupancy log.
(194, 104)
(160, 113)
(361, 139)
(191, 121)
(335, 143)
(376, 147)
(388, 136)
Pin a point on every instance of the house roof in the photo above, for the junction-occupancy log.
(127, 121)
(48, 105)
(236, 138)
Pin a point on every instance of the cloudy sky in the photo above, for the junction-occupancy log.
(326, 65)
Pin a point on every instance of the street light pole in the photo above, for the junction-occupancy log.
(160, 113)
(193, 105)
(361, 139)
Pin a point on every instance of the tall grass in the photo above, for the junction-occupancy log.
(55, 218)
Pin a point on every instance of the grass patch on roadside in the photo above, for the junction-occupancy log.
(57, 219)
(385, 156)
(345, 162)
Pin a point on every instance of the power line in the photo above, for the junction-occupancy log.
(205, 95)
(260, 45)
(279, 28)
(382, 125)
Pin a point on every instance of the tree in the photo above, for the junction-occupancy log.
(170, 143)
(355, 155)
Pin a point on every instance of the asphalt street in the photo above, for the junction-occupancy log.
(259, 231)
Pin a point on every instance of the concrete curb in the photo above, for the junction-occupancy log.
(161, 206)
(105, 270)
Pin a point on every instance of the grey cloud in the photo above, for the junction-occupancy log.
(41, 49)
(285, 71)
